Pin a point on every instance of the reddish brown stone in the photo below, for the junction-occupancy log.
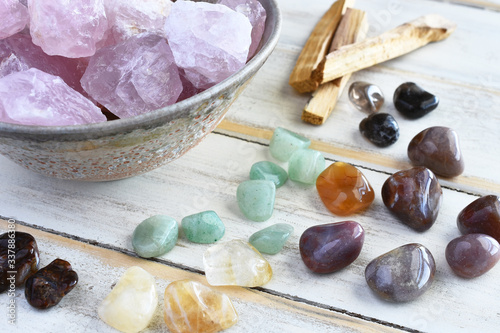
(481, 216)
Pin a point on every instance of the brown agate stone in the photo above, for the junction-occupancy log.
(481, 216)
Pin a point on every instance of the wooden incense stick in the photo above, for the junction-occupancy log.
(316, 48)
(352, 29)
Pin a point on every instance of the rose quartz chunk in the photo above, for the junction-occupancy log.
(209, 41)
(257, 16)
(11, 65)
(33, 97)
(133, 77)
(13, 17)
(67, 28)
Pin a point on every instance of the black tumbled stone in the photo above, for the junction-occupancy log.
(414, 102)
(380, 128)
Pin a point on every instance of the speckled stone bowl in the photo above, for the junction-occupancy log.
(127, 147)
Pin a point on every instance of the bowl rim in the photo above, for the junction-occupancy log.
(96, 130)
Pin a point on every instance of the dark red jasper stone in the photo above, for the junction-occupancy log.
(330, 247)
(50, 284)
(482, 216)
(22, 258)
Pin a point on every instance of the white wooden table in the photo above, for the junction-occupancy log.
(90, 224)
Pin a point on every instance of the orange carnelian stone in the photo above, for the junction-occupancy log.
(344, 189)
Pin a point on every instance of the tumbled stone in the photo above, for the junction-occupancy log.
(271, 240)
(344, 189)
(472, 255)
(284, 143)
(266, 170)
(133, 77)
(305, 165)
(380, 128)
(402, 274)
(438, 149)
(366, 97)
(155, 236)
(130, 306)
(481, 216)
(209, 41)
(56, 104)
(67, 28)
(205, 227)
(330, 247)
(50, 284)
(24, 261)
(256, 199)
(413, 101)
(236, 263)
(14, 17)
(414, 196)
(191, 307)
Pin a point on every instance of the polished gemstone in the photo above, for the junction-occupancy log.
(366, 97)
(205, 227)
(413, 101)
(481, 216)
(256, 199)
(130, 306)
(155, 236)
(284, 143)
(380, 128)
(305, 165)
(25, 261)
(50, 284)
(414, 196)
(438, 149)
(191, 307)
(271, 240)
(402, 274)
(330, 247)
(269, 171)
(472, 255)
(236, 263)
(14, 17)
(344, 189)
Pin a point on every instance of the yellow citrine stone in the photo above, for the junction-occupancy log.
(192, 307)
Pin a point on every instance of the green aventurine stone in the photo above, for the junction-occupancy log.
(271, 239)
(284, 143)
(256, 199)
(269, 171)
(155, 236)
(305, 165)
(204, 228)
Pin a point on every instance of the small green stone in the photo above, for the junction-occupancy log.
(155, 236)
(284, 143)
(256, 199)
(305, 165)
(271, 239)
(269, 171)
(204, 228)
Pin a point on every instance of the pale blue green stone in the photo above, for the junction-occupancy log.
(284, 143)
(305, 165)
(256, 199)
(271, 239)
(269, 171)
(204, 228)
(155, 236)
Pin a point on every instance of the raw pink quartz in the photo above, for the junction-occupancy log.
(13, 17)
(209, 41)
(33, 97)
(11, 64)
(133, 77)
(257, 16)
(67, 28)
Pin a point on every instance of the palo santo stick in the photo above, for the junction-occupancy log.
(352, 29)
(316, 47)
(391, 44)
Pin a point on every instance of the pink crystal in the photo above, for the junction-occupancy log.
(188, 89)
(67, 28)
(257, 16)
(11, 64)
(14, 17)
(33, 97)
(133, 77)
(209, 41)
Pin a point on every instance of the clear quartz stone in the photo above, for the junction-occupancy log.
(366, 97)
